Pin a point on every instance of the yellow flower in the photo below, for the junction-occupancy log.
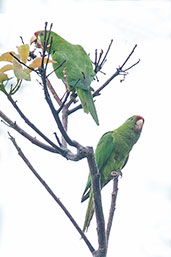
(20, 71)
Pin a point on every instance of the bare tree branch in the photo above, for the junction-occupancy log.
(18, 60)
(132, 66)
(95, 180)
(28, 136)
(65, 123)
(129, 56)
(81, 150)
(62, 152)
(119, 71)
(52, 90)
(98, 65)
(60, 65)
(115, 175)
(52, 194)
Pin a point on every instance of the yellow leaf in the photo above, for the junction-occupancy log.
(36, 63)
(3, 77)
(19, 72)
(23, 51)
(6, 68)
(7, 57)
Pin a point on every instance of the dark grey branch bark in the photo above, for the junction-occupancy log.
(95, 179)
(119, 71)
(57, 200)
(81, 150)
(35, 141)
(22, 115)
(115, 175)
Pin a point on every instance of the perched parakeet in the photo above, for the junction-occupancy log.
(112, 154)
(78, 68)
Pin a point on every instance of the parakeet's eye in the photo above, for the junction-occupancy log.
(131, 118)
(41, 34)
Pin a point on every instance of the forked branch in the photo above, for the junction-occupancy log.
(119, 71)
(52, 194)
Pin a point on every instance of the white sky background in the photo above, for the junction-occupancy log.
(31, 224)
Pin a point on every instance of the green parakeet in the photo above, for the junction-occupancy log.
(78, 67)
(112, 154)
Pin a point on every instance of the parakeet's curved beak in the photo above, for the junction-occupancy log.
(36, 39)
(139, 123)
(33, 39)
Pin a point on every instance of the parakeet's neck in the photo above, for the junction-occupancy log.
(57, 42)
(129, 136)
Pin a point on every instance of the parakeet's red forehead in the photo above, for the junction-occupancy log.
(37, 32)
(139, 117)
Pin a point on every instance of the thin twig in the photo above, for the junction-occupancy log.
(115, 175)
(18, 60)
(45, 43)
(119, 71)
(52, 194)
(35, 141)
(61, 151)
(98, 64)
(131, 66)
(64, 102)
(22, 40)
(51, 41)
(14, 89)
(60, 65)
(128, 56)
(57, 139)
(104, 58)
(97, 92)
(52, 90)
(55, 114)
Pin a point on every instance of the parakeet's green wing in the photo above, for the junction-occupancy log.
(77, 65)
(106, 142)
(79, 75)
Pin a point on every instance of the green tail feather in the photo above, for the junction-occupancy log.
(87, 103)
(89, 213)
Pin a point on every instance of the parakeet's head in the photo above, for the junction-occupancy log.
(38, 38)
(131, 128)
(134, 123)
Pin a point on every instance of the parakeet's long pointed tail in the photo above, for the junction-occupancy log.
(87, 103)
(89, 213)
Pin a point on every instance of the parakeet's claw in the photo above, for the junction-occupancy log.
(73, 97)
(116, 173)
